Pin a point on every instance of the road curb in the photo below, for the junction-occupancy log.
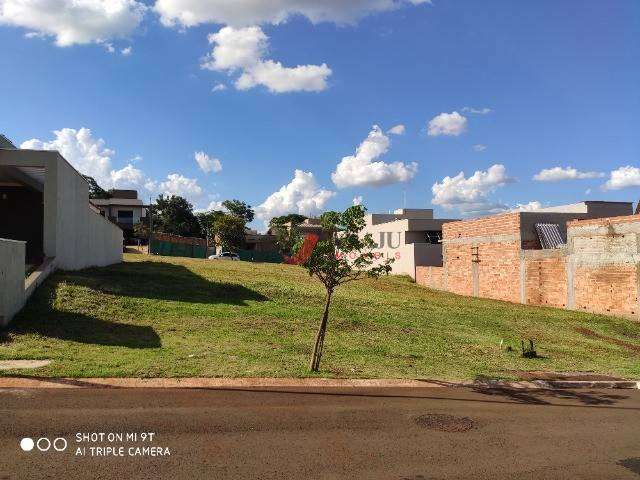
(262, 383)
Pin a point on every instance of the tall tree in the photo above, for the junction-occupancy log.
(229, 232)
(343, 257)
(175, 215)
(95, 190)
(239, 209)
(207, 222)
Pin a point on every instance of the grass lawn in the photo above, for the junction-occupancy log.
(158, 316)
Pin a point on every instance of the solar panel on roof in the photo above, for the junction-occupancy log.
(549, 235)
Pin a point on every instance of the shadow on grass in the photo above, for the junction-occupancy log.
(80, 328)
(159, 281)
(151, 280)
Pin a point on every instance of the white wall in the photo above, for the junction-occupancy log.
(12, 272)
(395, 240)
(83, 238)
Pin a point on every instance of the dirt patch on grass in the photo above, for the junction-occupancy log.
(614, 341)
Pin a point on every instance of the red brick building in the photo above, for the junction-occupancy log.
(501, 257)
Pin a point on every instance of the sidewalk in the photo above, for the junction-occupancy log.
(244, 383)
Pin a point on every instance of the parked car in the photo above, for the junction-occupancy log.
(225, 256)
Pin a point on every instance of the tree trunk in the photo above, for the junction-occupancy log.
(314, 364)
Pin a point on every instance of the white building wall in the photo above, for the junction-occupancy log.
(83, 238)
(12, 272)
(396, 240)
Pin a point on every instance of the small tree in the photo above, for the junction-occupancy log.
(343, 257)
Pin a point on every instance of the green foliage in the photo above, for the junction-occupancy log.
(229, 232)
(141, 229)
(344, 256)
(286, 228)
(95, 190)
(175, 215)
(207, 222)
(239, 209)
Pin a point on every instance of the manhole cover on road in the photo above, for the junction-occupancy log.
(444, 423)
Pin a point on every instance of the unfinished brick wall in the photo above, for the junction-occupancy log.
(598, 271)
(605, 255)
(609, 289)
(458, 268)
(432, 277)
(482, 257)
(546, 278)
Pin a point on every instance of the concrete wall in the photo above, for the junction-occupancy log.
(12, 272)
(598, 271)
(74, 234)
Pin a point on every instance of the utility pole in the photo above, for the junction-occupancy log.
(150, 227)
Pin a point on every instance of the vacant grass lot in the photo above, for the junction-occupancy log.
(154, 316)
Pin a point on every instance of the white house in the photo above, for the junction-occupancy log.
(46, 222)
(411, 237)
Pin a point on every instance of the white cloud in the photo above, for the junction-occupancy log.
(479, 147)
(126, 51)
(477, 111)
(189, 13)
(361, 169)
(74, 21)
(109, 47)
(302, 195)
(208, 164)
(527, 207)
(219, 87)
(623, 177)
(243, 50)
(557, 174)
(357, 200)
(177, 184)
(127, 177)
(90, 156)
(450, 124)
(470, 195)
(215, 205)
(397, 130)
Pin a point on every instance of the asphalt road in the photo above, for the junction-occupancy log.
(427, 433)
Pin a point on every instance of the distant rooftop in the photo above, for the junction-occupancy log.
(598, 207)
(128, 194)
(6, 143)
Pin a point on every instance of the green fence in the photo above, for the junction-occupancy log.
(169, 249)
(253, 256)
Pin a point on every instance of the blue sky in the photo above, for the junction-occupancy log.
(539, 84)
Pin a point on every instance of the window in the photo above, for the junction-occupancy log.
(125, 216)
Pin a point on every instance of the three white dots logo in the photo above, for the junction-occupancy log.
(43, 444)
